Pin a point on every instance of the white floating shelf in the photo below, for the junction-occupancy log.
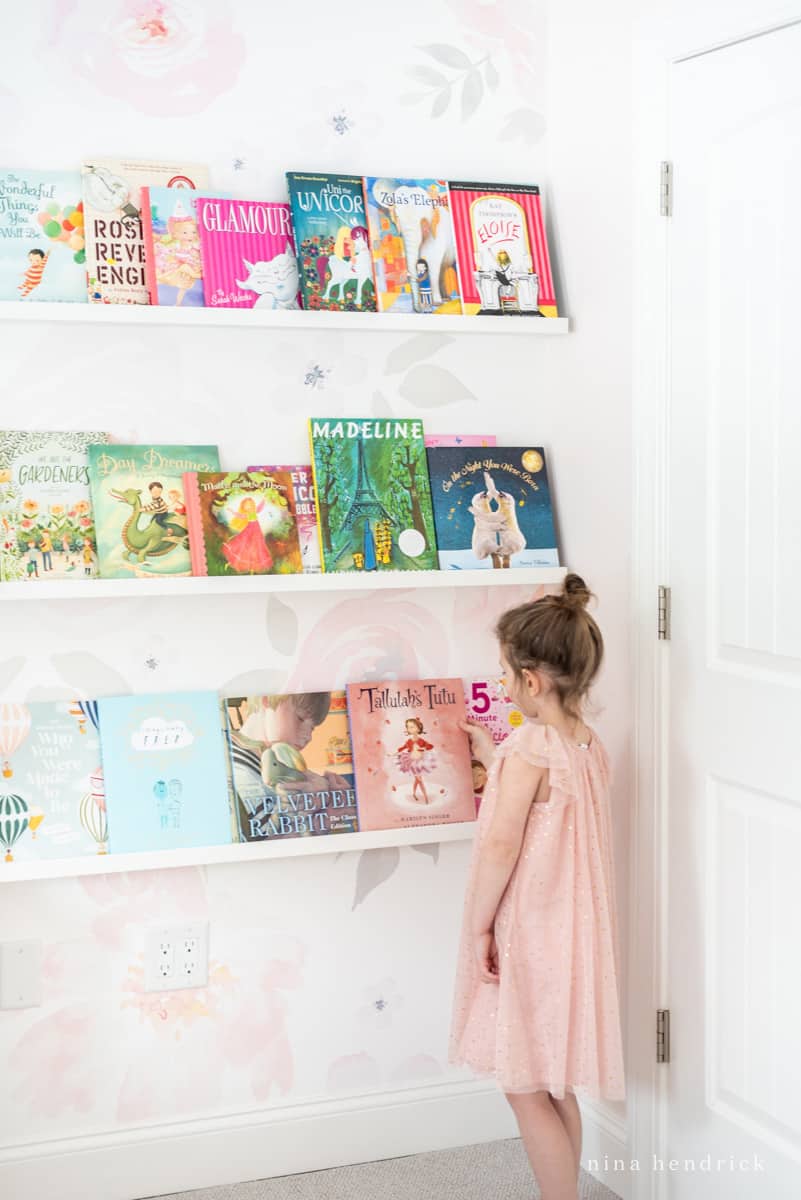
(142, 315)
(337, 843)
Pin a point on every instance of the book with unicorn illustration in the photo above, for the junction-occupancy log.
(333, 243)
(242, 523)
(248, 253)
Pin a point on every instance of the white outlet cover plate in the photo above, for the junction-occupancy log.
(20, 974)
(186, 962)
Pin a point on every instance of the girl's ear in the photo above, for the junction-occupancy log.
(533, 682)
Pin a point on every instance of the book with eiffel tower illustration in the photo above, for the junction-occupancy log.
(373, 498)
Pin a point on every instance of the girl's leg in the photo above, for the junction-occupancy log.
(549, 1149)
(570, 1113)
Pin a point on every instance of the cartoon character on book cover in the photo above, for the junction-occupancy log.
(333, 243)
(305, 513)
(248, 253)
(172, 246)
(42, 248)
(242, 523)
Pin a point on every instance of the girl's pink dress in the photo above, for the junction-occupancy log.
(552, 1021)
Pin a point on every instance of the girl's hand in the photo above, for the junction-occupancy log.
(487, 957)
(482, 746)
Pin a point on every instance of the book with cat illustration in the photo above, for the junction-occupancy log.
(487, 703)
(502, 249)
(42, 245)
(412, 243)
(492, 508)
(248, 253)
(413, 762)
(242, 523)
(305, 513)
(140, 510)
(173, 267)
(292, 765)
(333, 244)
(115, 239)
(47, 524)
(373, 498)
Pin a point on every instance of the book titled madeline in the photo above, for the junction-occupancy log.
(248, 254)
(241, 523)
(42, 245)
(332, 240)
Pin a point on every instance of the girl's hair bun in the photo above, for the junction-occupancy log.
(576, 594)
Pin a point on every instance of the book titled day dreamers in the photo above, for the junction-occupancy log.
(248, 252)
(42, 247)
(241, 523)
(140, 511)
(305, 513)
(47, 526)
(492, 508)
(332, 240)
(413, 763)
(292, 765)
(373, 498)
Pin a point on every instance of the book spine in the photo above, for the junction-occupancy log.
(457, 266)
(150, 256)
(194, 524)
(379, 305)
(317, 504)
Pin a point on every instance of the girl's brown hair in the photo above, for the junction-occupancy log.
(558, 636)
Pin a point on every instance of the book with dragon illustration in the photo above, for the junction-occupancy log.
(305, 514)
(502, 249)
(47, 525)
(373, 498)
(42, 249)
(332, 240)
(173, 266)
(52, 797)
(165, 773)
(459, 439)
(248, 252)
(412, 243)
(140, 510)
(487, 703)
(492, 508)
(242, 523)
(292, 765)
(115, 240)
(413, 762)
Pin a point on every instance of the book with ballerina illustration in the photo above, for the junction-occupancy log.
(242, 523)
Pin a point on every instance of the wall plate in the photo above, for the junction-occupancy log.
(176, 956)
(20, 974)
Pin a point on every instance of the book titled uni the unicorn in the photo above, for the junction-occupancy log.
(242, 523)
(173, 269)
(42, 253)
(305, 514)
(248, 254)
(333, 244)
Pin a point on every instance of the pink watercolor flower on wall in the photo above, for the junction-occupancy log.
(56, 1063)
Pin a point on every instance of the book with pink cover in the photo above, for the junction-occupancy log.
(412, 759)
(305, 513)
(488, 704)
(248, 253)
(432, 440)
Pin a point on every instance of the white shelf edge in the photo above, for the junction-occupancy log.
(237, 852)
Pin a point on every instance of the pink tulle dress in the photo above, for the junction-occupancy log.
(552, 1021)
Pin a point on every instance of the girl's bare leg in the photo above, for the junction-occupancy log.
(570, 1113)
(548, 1146)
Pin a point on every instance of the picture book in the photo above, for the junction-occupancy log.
(292, 765)
(412, 759)
(165, 773)
(373, 498)
(241, 523)
(333, 245)
(248, 253)
(502, 249)
(492, 509)
(305, 514)
(140, 512)
(115, 240)
(488, 704)
(47, 526)
(413, 248)
(173, 270)
(52, 799)
(459, 439)
(42, 252)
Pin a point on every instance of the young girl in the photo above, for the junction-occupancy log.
(536, 1002)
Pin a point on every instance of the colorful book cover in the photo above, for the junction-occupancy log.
(47, 526)
(115, 240)
(413, 247)
(42, 251)
(336, 267)
(305, 514)
(488, 704)
(292, 765)
(459, 439)
(165, 773)
(52, 798)
(248, 254)
(502, 248)
(173, 267)
(242, 523)
(412, 759)
(492, 510)
(373, 496)
(140, 512)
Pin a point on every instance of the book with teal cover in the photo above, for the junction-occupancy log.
(42, 250)
(332, 241)
(165, 771)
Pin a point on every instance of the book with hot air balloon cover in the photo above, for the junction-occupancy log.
(42, 252)
(52, 802)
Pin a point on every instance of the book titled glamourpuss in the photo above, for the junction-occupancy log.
(248, 252)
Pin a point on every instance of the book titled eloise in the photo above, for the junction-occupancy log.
(248, 253)
(241, 523)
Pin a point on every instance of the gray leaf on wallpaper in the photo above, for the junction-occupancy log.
(472, 94)
(9, 668)
(255, 683)
(524, 123)
(428, 75)
(380, 406)
(432, 851)
(89, 675)
(428, 386)
(449, 56)
(421, 346)
(375, 867)
(441, 102)
(491, 76)
(282, 626)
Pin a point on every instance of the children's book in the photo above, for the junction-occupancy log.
(504, 265)
(305, 514)
(488, 704)
(373, 496)
(414, 252)
(412, 759)
(248, 254)
(115, 240)
(492, 509)
(47, 526)
(52, 800)
(292, 765)
(165, 774)
(242, 523)
(173, 268)
(330, 223)
(42, 252)
(140, 511)
(459, 439)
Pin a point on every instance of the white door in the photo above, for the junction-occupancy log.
(735, 658)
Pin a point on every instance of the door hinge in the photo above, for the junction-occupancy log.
(665, 189)
(663, 614)
(663, 1035)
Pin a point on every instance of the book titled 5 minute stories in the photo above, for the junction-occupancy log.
(332, 241)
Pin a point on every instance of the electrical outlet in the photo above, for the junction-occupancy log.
(176, 956)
